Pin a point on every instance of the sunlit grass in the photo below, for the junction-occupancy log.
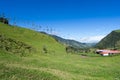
(64, 67)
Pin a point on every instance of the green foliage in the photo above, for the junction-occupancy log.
(110, 40)
(14, 46)
(117, 44)
(45, 49)
(70, 49)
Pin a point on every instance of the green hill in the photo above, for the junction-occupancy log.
(14, 37)
(110, 41)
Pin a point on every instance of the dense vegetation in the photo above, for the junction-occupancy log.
(49, 61)
(112, 40)
(14, 46)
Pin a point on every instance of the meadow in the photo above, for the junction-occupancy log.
(59, 67)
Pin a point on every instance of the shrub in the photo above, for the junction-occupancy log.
(4, 20)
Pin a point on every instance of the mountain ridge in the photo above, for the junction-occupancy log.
(70, 42)
(110, 41)
(73, 43)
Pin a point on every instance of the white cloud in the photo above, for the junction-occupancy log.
(92, 39)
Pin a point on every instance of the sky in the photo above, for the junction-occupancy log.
(82, 20)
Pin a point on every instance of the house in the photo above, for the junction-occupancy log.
(107, 52)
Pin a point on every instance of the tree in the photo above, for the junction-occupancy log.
(117, 44)
(3, 19)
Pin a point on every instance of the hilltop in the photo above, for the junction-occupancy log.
(13, 37)
(112, 40)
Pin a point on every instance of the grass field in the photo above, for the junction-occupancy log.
(56, 64)
(56, 67)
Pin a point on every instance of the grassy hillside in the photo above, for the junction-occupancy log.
(56, 65)
(110, 41)
(36, 40)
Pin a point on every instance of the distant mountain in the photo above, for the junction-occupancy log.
(73, 43)
(110, 41)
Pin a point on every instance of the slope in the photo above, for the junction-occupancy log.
(36, 40)
(110, 41)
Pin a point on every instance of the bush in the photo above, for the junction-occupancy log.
(4, 20)
(13, 46)
(45, 49)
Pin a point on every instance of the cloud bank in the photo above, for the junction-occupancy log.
(92, 39)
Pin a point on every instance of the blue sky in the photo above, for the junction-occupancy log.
(82, 20)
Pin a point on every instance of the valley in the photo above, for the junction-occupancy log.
(49, 60)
